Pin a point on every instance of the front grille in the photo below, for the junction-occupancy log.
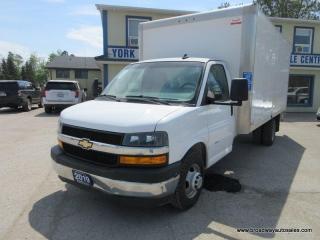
(93, 135)
(91, 156)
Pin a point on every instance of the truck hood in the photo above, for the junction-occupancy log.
(120, 117)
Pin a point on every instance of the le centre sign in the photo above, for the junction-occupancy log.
(305, 60)
(123, 53)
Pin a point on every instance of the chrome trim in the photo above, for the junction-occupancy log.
(123, 188)
(116, 149)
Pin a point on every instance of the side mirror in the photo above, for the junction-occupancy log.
(239, 90)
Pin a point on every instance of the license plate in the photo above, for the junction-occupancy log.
(3, 94)
(82, 178)
(60, 95)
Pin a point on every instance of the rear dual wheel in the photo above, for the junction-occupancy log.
(265, 134)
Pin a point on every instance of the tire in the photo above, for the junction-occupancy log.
(40, 105)
(269, 132)
(257, 136)
(48, 109)
(191, 180)
(27, 106)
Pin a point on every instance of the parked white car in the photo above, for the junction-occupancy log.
(318, 114)
(61, 94)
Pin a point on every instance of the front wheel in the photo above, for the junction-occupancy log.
(191, 180)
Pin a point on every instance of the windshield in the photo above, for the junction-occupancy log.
(171, 81)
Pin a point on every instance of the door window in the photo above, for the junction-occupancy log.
(217, 83)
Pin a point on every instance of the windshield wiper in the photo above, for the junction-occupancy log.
(147, 99)
(112, 97)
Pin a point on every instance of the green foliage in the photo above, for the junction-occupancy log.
(33, 69)
(304, 9)
(11, 70)
(224, 5)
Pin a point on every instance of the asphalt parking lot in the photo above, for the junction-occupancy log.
(280, 189)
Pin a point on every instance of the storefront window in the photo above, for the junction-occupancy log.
(133, 30)
(300, 90)
(303, 40)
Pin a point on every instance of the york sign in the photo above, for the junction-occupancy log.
(305, 60)
(123, 53)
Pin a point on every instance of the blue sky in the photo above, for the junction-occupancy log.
(43, 26)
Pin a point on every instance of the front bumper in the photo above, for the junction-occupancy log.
(129, 182)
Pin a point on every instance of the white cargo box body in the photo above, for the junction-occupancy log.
(244, 39)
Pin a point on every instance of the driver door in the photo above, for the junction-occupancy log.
(220, 122)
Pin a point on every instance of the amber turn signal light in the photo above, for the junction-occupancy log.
(60, 143)
(144, 160)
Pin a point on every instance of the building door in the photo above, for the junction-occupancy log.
(300, 90)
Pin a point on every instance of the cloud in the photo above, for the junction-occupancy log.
(85, 10)
(16, 48)
(91, 35)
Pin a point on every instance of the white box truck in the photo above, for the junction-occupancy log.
(160, 123)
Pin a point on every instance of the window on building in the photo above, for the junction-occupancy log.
(300, 90)
(81, 74)
(63, 73)
(133, 30)
(303, 40)
(218, 83)
(278, 28)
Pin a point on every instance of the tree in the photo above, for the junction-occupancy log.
(18, 60)
(41, 72)
(58, 53)
(23, 72)
(11, 70)
(3, 69)
(224, 5)
(304, 9)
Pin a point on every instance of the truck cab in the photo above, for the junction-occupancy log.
(153, 131)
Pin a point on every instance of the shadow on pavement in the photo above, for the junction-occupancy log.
(44, 114)
(300, 117)
(13, 110)
(266, 174)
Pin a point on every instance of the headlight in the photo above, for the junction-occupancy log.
(150, 139)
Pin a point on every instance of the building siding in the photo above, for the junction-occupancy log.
(288, 34)
(117, 25)
(115, 35)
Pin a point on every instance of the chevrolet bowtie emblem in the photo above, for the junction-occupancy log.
(85, 144)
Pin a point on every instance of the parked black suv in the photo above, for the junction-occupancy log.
(16, 93)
